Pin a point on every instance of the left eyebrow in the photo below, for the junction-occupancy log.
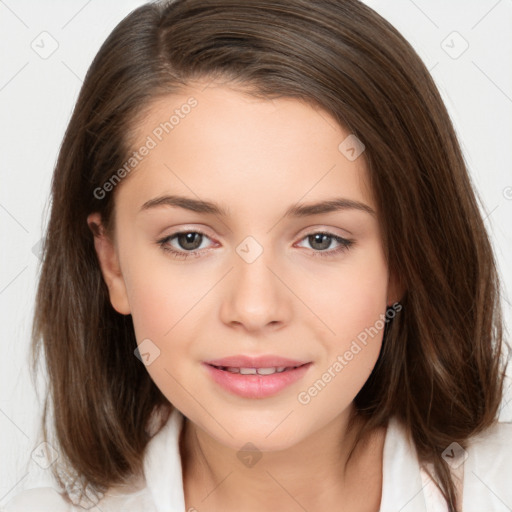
(331, 205)
(297, 210)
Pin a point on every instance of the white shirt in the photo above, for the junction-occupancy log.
(406, 487)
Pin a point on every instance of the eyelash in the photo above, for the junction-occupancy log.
(345, 244)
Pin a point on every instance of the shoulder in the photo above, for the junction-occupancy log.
(484, 465)
(48, 499)
(491, 448)
(488, 468)
(41, 499)
(497, 435)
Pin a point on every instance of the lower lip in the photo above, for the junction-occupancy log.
(256, 386)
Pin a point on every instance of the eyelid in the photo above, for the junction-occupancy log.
(330, 230)
(184, 231)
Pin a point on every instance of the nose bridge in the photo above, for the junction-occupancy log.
(255, 297)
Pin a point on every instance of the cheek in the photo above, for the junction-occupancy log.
(351, 301)
(160, 291)
(350, 297)
(164, 299)
(350, 355)
(154, 302)
(162, 304)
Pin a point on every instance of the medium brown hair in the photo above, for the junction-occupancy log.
(439, 369)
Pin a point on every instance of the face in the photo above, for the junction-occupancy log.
(242, 266)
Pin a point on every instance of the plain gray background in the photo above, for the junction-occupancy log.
(47, 48)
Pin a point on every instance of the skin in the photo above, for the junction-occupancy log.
(255, 157)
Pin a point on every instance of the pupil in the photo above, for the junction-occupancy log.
(186, 240)
(322, 239)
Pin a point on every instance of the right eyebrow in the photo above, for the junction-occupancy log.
(187, 203)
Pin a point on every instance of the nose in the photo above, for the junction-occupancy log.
(254, 296)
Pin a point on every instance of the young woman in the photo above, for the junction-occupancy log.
(266, 281)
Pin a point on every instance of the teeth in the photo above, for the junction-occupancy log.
(266, 371)
(248, 371)
(254, 371)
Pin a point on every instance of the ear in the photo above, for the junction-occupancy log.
(109, 264)
(396, 289)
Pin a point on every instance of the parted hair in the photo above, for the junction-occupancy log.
(440, 370)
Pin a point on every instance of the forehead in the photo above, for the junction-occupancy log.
(217, 142)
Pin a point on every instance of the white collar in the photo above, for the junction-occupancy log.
(402, 484)
(162, 466)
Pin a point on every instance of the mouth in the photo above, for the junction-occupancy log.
(256, 381)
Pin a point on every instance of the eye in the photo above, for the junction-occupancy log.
(321, 241)
(188, 243)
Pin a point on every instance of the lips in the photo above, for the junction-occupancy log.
(256, 377)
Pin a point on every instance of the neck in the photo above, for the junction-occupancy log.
(315, 472)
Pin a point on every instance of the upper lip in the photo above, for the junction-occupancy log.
(269, 361)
